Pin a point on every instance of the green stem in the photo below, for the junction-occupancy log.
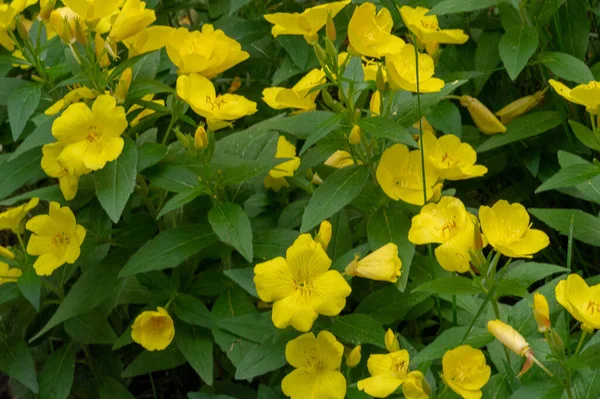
(580, 344)
(171, 124)
(543, 367)
(421, 146)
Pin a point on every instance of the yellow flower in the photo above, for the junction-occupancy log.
(541, 312)
(56, 239)
(465, 371)
(425, 126)
(402, 71)
(307, 23)
(369, 32)
(102, 49)
(316, 363)
(382, 264)
(507, 229)
(276, 177)
(91, 137)
(12, 218)
(415, 386)
(581, 300)
(355, 135)
(93, 10)
(301, 285)
(388, 372)
(218, 110)
(300, 96)
(509, 337)
(68, 182)
(64, 21)
(353, 357)
(153, 329)
(6, 253)
(399, 175)
(149, 39)
(133, 18)
(146, 112)
(427, 29)
(8, 13)
(200, 138)
(447, 223)
(520, 107)
(46, 7)
(452, 159)
(208, 53)
(391, 341)
(8, 275)
(587, 95)
(340, 159)
(123, 85)
(73, 96)
(485, 120)
(375, 104)
(324, 235)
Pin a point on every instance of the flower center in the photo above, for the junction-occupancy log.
(449, 160)
(60, 239)
(305, 287)
(429, 24)
(158, 323)
(460, 373)
(399, 368)
(593, 307)
(216, 103)
(94, 136)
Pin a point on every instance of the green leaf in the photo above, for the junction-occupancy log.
(389, 305)
(149, 154)
(264, 392)
(322, 130)
(527, 273)
(523, 128)
(450, 339)
(244, 277)
(457, 6)
(192, 310)
(116, 181)
(570, 176)
(446, 117)
(586, 227)
(179, 200)
(449, 285)
(146, 67)
(41, 135)
(110, 388)
(376, 126)
(10, 85)
(516, 47)
(585, 135)
(56, 377)
(589, 190)
(337, 191)
(142, 87)
(359, 329)
(269, 244)
(174, 178)
(566, 66)
(16, 361)
(268, 356)
(30, 285)
(21, 104)
(196, 346)
(91, 328)
(253, 327)
(297, 48)
(205, 395)
(148, 362)
(14, 174)
(486, 56)
(573, 28)
(169, 249)
(232, 226)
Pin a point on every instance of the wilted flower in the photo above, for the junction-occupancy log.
(520, 106)
(580, 300)
(369, 32)
(388, 372)
(541, 312)
(301, 97)
(149, 39)
(301, 285)
(276, 177)
(452, 159)
(382, 264)
(153, 329)
(133, 19)
(587, 95)
(324, 235)
(509, 337)
(12, 218)
(465, 371)
(402, 71)
(353, 357)
(485, 120)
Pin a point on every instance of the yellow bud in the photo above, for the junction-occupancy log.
(485, 120)
(22, 30)
(330, 28)
(67, 35)
(324, 235)
(123, 85)
(46, 8)
(200, 138)
(375, 104)
(391, 342)
(509, 337)
(355, 133)
(235, 85)
(520, 107)
(316, 179)
(541, 312)
(353, 357)
(80, 33)
(101, 53)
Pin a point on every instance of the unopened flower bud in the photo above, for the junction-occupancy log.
(330, 28)
(375, 104)
(22, 29)
(101, 53)
(485, 120)
(184, 139)
(235, 85)
(321, 55)
(46, 7)
(316, 179)
(520, 107)
(67, 35)
(354, 136)
(391, 341)
(331, 52)
(541, 312)
(380, 79)
(80, 33)
(200, 138)
(123, 85)
(353, 357)
(324, 235)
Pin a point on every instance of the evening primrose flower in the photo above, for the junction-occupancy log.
(218, 110)
(452, 159)
(371, 69)
(153, 329)
(102, 48)
(520, 107)
(340, 159)
(8, 275)
(485, 120)
(12, 218)
(133, 18)
(382, 264)
(465, 371)
(8, 14)
(353, 357)
(391, 341)
(581, 301)
(208, 53)
(123, 85)
(449, 224)
(68, 182)
(587, 95)
(541, 312)
(507, 229)
(399, 175)
(369, 32)
(324, 235)
(301, 285)
(427, 29)
(92, 137)
(93, 10)
(300, 97)
(415, 386)
(276, 177)
(150, 39)
(146, 112)
(73, 96)
(56, 239)
(64, 22)
(307, 23)
(402, 71)
(388, 372)
(316, 362)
